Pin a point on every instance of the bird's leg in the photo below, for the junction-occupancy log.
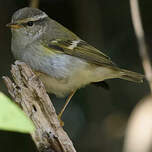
(65, 105)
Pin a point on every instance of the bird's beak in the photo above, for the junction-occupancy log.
(13, 26)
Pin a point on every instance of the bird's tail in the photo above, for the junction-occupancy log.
(131, 76)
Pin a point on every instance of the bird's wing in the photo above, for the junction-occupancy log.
(81, 49)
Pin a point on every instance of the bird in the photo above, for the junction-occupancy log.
(61, 59)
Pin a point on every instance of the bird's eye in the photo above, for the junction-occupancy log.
(30, 23)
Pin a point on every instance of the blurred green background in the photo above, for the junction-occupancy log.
(96, 118)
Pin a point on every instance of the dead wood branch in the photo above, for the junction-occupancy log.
(29, 93)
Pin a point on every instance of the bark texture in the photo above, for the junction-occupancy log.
(30, 94)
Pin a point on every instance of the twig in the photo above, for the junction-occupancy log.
(29, 93)
(34, 3)
(136, 19)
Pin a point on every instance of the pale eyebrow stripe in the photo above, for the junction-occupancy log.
(35, 18)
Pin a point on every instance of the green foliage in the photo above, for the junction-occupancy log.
(12, 118)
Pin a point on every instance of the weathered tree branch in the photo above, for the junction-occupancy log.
(29, 93)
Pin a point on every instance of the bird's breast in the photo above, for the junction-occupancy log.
(60, 73)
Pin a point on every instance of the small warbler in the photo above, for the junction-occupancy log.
(63, 61)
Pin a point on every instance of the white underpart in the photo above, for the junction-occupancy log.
(73, 77)
(74, 44)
